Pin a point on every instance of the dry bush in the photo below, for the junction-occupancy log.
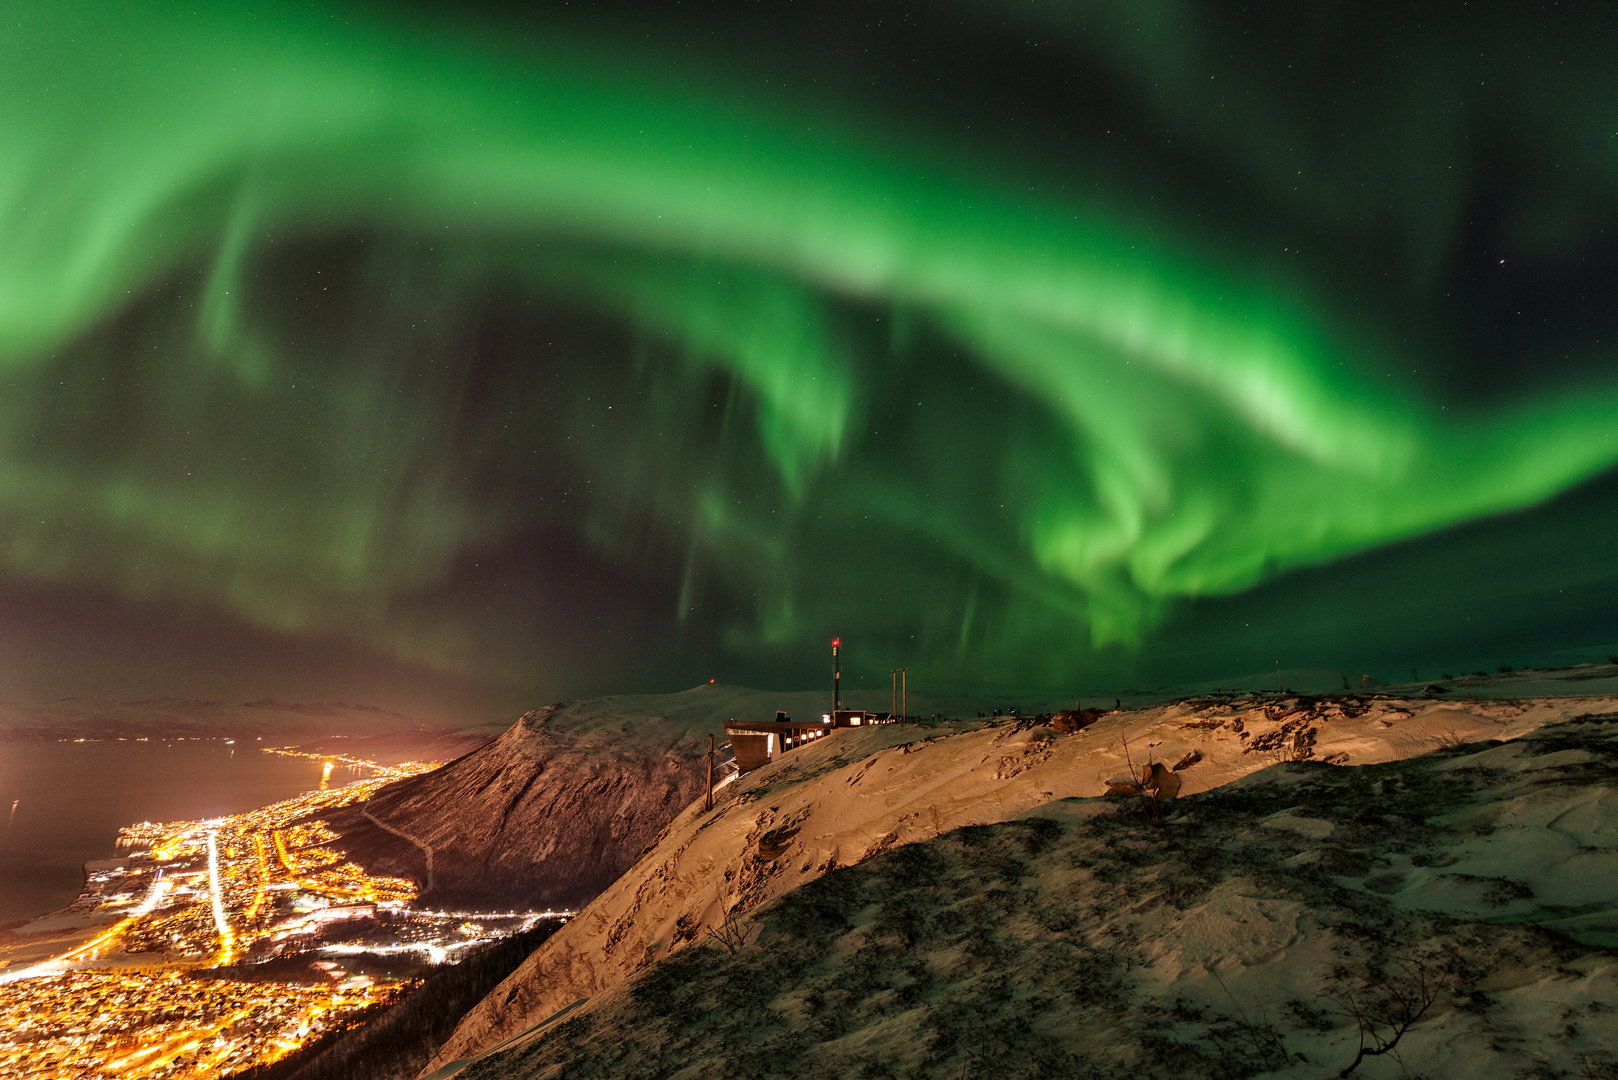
(730, 933)
(1256, 1041)
(1386, 999)
(1603, 1069)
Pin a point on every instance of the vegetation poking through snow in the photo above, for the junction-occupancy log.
(1386, 1000)
(729, 935)
(1309, 920)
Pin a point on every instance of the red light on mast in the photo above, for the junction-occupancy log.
(836, 678)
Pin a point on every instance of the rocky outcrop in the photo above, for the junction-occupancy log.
(545, 816)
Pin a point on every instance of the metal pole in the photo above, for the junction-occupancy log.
(707, 804)
(904, 683)
(895, 673)
(836, 679)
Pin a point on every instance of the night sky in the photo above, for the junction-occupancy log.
(469, 357)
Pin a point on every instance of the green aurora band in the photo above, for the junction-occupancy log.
(1105, 422)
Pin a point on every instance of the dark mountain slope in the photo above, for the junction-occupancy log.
(555, 809)
(545, 816)
(396, 1043)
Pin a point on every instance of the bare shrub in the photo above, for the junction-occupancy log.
(1257, 1041)
(1599, 1069)
(1385, 1000)
(729, 933)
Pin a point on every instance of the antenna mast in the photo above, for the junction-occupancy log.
(836, 679)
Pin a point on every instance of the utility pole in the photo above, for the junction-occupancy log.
(1278, 685)
(836, 679)
(707, 804)
(900, 677)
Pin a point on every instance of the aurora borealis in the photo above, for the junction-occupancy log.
(1047, 344)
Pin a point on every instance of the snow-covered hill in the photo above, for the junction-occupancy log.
(559, 805)
(869, 798)
(1461, 901)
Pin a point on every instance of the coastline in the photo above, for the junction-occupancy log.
(58, 828)
(26, 942)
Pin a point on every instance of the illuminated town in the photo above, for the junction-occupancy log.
(214, 946)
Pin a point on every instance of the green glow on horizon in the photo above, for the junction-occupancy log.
(1199, 426)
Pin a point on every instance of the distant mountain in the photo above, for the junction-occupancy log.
(276, 722)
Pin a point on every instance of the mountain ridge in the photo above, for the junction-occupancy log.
(844, 800)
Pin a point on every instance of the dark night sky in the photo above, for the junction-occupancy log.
(465, 357)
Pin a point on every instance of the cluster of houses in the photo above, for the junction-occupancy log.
(756, 744)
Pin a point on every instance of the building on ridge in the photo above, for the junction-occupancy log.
(756, 744)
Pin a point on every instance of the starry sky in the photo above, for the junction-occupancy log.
(470, 355)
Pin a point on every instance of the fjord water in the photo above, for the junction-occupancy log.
(72, 798)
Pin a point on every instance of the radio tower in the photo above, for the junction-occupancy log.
(836, 679)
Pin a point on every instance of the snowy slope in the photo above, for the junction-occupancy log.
(560, 804)
(863, 793)
(1476, 882)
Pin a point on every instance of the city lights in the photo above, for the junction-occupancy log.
(149, 993)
